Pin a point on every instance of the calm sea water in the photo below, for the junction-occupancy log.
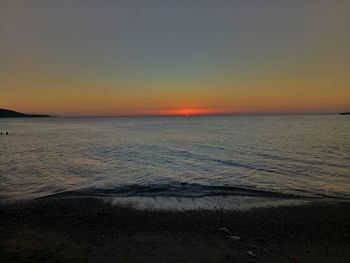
(197, 156)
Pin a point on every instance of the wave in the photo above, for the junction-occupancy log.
(186, 190)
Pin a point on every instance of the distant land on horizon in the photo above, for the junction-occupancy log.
(14, 114)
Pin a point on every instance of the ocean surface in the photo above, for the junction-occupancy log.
(195, 157)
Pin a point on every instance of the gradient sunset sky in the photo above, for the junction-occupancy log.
(87, 57)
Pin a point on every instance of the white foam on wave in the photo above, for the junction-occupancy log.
(211, 203)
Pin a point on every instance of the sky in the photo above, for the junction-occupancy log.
(128, 57)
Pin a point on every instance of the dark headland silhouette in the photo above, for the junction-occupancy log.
(13, 114)
(344, 113)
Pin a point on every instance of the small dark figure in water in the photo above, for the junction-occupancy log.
(0, 133)
(7, 133)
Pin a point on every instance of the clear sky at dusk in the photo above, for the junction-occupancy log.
(87, 57)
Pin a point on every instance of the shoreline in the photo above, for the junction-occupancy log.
(92, 230)
(228, 203)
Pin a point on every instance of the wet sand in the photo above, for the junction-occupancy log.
(90, 230)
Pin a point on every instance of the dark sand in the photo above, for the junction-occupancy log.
(89, 230)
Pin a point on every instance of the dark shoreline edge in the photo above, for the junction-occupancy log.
(91, 230)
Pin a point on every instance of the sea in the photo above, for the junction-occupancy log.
(178, 162)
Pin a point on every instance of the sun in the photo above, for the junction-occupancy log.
(188, 111)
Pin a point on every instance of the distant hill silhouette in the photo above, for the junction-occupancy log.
(13, 114)
(344, 113)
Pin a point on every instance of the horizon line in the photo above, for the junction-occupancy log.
(195, 115)
(185, 113)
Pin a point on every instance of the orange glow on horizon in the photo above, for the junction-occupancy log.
(186, 111)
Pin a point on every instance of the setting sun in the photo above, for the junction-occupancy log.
(189, 111)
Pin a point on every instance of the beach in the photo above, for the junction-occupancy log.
(174, 131)
(93, 230)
